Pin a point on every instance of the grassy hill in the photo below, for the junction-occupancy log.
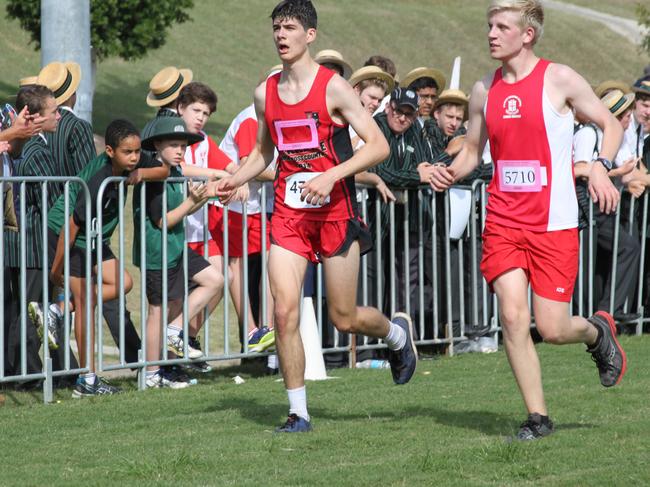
(228, 45)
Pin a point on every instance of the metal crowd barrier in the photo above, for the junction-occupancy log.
(446, 296)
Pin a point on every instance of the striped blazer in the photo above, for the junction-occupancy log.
(36, 160)
(72, 144)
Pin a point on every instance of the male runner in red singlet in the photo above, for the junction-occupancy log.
(304, 111)
(530, 236)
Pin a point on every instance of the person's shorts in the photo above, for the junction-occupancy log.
(314, 240)
(549, 259)
(199, 247)
(175, 279)
(235, 229)
(77, 256)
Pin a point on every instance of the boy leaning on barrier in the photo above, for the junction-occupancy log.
(120, 158)
(169, 138)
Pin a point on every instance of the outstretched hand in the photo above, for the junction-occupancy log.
(441, 177)
(225, 190)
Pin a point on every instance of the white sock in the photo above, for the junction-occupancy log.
(272, 361)
(396, 338)
(173, 331)
(89, 378)
(151, 373)
(298, 402)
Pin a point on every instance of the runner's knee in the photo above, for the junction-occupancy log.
(285, 317)
(515, 317)
(344, 321)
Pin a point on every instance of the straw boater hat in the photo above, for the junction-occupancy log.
(456, 97)
(372, 72)
(609, 85)
(617, 102)
(422, 72)
(28, 80)
(62, 78)
(334, 57)
(167, 84)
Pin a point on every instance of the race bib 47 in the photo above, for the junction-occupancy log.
(293, 190)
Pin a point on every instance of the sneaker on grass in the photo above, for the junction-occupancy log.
(54, 322)
(534, 428)
(177, 374)
(175, 345)
(607, 353)
(262, 340)
(163, 378)
(98, 388)
(403, 362)
(294, 424)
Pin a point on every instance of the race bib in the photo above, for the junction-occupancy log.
(293, 190)
(521, 176)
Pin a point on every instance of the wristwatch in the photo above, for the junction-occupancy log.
(605, 162)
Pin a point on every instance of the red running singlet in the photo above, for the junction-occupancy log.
(533, 186)
(309, 142)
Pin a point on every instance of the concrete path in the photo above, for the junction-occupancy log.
(626, 27)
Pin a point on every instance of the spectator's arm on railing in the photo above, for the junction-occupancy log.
(148, 174)
(372, 179)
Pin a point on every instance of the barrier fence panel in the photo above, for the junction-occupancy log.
(414, 267)
(39, 202)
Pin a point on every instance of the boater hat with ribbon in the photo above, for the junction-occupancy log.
(609, 85)
(617, 102)
(166, 85)
(423, 72)
(28, 81)
(372, 72)
(62, 78)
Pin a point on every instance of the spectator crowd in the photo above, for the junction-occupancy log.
(423, 121)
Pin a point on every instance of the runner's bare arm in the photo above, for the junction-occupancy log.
(469, 157)
(343, 102)
(581, 97)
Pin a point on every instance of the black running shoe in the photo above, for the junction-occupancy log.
(535, 428)
(294, 424)
(202, 366)
(403, 362)
(608, 354)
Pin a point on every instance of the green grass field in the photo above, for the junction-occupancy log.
(229, 45)
(447, 427)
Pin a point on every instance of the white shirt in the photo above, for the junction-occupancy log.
(230, 148)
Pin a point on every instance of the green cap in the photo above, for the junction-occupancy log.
(169, 128)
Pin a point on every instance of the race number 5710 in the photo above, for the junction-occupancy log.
(521, 176)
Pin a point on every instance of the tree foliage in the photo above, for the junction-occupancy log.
(124, 28)
(643, 13)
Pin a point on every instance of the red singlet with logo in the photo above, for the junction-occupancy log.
(309, 142)
(533, 186)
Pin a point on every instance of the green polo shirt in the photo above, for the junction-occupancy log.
(93, 174)
(153, 212)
